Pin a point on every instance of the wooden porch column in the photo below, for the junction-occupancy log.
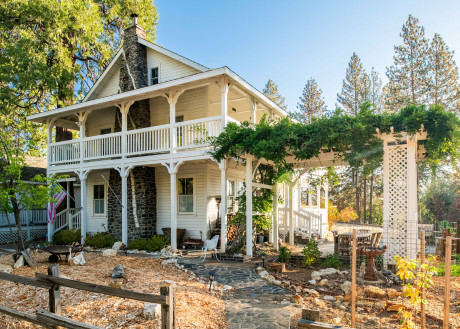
(223, 103)
(124, 208)
(172, 98)
(249, 206)
(318, 196)
(173, 167)
(223, 205)
(275, 217)
(83, 175)
(49, 159)
(291, 214)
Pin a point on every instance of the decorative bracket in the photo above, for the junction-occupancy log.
(82, 174)
(124, 107)
(124, 171)
(172, 166)
(173, 95)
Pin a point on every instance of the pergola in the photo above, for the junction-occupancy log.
(401, 154)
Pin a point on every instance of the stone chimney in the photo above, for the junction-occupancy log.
(141, 182)
(133, 72)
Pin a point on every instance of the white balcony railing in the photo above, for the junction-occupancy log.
(148, 140)
(189, 135)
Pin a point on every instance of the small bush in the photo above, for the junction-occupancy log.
(284, 254)
(100, 240)
(311, 253)
(331, 261)
(454, 270)
(66, 237)
(155, 243)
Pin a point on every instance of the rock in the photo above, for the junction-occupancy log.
(380, 306)
(346, 287)
(167, 283)
(312, 292)
(285, 283)
(227, 287)
(152, 311)
(330, 298)
(312, 282)
(109, 253)
(260, 269)
(323, 272)
(118, 245)
(118, 272)
(315, 278)
(320, 303)
(323, 282)
(395, 307)
(277, 283)
(285, 302)
(116, 284)
(297, 299)
(270, 278)
(263, 274)
(6, 268)
(298, 290)
(336, 321)
(19, 263)
(170, 261)
(393, 293)
(375, 292)
(64, 277)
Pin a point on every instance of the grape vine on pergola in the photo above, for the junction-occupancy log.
(398, 140)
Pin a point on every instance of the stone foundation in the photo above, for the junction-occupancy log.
(145, 191)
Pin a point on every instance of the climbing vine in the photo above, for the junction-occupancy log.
(353, 138)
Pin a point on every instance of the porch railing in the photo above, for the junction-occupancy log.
(28, 217)
(189, 134)
(65, 219)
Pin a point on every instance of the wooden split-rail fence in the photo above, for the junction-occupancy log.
(52, 282)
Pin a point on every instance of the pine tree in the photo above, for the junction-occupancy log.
(375, 96)
(311, 104)
(408, 76)
(271, 91)
(355, 86)
(444, 86)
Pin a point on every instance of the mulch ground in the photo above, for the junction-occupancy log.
(196, 307)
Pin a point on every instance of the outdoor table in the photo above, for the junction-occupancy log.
(343, 251)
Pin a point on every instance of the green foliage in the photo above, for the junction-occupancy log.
(155, 243)
(353, 138)
(311, 253)
(454, 270)
(284, 254)
(271, 91)
(100, 240)
(67, 237)
(331, 260)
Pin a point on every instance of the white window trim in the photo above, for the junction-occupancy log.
(194, 212)
(150, 73)
(105, 199)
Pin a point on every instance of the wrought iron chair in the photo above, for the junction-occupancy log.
(211, 245)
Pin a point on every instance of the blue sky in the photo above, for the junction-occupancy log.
(291, 41)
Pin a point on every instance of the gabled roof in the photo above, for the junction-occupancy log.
(114, 63)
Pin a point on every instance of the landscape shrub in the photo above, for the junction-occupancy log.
(100, 240)
(311, 253)
(155, 243)
(284, 254)
(66, 237)
(331, 260)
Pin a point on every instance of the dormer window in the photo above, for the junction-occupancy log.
(154, 76)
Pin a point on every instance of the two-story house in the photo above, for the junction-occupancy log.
(140, 162)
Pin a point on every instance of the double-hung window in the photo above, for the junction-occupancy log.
(99, 199)
(185, 193)
(154, 76)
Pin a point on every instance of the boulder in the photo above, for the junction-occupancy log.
(118, 245)
(6, 268)
(118, 272)
(375, 292)
(109, 253)
(277, 283)
(152, 311)
(346, 287)
(323, 282)
(312, 282)
(297, 299)
(395, 307)
(393, 293)
(263, 274)
(312, 292)
(329, 298)
(171, 261)
(19, 263)
(323, 272)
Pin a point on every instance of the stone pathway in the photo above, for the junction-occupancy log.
(253, 304)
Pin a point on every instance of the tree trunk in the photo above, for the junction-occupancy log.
(364, 199)
(371, 191)
(9, 226)
(17, 218)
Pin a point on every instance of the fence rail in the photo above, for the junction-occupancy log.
(52, 282)
(31, 216)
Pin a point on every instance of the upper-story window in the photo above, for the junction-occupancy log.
(154, 76)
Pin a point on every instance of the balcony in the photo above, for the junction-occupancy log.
(188, 135)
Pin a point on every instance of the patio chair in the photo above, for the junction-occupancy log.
(211, 245)
(375, 240)
(344, 246)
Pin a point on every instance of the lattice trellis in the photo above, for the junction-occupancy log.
(29, 233)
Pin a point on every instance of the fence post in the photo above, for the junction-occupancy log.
(422, 261)
(168, 312)
(448, 260)
(353, 281)
(54, 292)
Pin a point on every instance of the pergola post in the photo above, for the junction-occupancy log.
(275, 232)
(412, 197)
(249, 206)
(291, 215)
(223, 205)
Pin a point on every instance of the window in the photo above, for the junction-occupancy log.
(185, 195)
(154, 76)
(231, 201)
(106, 131)
(99, 199)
